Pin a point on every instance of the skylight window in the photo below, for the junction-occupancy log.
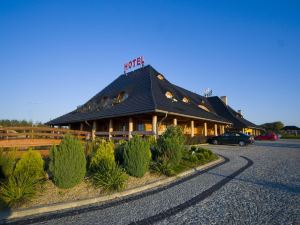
(185, 100)
(159, 76)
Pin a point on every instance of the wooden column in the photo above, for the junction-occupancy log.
(216, 130)
(81, 126)
(205, 129)
(110, 129)
(192, 129)
(175, 122)
(94, 128)
(130, 126)
(223, 129)
(154, 126)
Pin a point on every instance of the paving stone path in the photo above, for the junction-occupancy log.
(257, 184)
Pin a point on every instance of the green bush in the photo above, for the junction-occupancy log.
(170, 146)
(67, 163)
(18, 189)
(137, 156)
(7, 162)
(109, 176)
(104, 152)
(162, 167)
(32, 164)
(119, 152)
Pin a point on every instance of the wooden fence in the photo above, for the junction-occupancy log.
(24, 137)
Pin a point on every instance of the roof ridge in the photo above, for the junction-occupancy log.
(151, 89)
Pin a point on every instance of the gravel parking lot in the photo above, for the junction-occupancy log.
(258, 184)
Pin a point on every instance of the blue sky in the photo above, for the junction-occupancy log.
(55, 55)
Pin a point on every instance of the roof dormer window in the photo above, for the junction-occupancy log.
(122, 97)
(169, 95)
(185, 100)
(159, 76)
(203, 107)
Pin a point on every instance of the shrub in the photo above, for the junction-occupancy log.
(104, 152)
(7, 162)
(162, 167)
(109, 176)
(137, 156)
(119, 152)
(31, 164)
(67, 163)
(170, 146)
(18, 189)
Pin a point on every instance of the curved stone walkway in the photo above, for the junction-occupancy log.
(261, 187)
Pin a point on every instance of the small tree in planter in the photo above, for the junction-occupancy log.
(67, 163)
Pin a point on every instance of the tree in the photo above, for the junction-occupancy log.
(273, 127)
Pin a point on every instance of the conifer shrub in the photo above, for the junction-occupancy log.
(103, 154)
(18, 188)
(109, 176)
(106, 173)
(8, 161)
(170, 146)
(119, 152)
(31, 164)
(137, 156)
(67, 163)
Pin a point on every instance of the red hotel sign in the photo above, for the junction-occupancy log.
(139, 61)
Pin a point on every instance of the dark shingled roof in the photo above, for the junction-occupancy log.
(227, 112)
(291, 128)
(146, 94)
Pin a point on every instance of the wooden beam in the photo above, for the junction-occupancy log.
(154, 125)
(216, 130)
(94, 128)
(110, 129)
(192, 128)
(205, 129)
(175, 122)
(130, 126)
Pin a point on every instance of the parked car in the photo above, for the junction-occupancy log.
(232, 138)
(267, 137)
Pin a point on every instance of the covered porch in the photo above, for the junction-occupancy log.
(123, 128)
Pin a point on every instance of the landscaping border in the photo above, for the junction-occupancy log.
(19, 213)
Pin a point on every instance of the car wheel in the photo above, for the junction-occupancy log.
(215, 142)
(242, 143)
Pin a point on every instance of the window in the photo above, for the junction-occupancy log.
(159, 76)
(203, 107)
(140, 127)
(185, 100)
(122, 97)
(169, 95)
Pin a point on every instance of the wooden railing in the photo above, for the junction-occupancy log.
(121, 135)
(22, 137)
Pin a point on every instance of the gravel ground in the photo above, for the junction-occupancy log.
(267, 192)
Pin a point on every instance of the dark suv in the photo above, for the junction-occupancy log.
(232, 138)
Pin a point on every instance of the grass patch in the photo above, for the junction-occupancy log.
(290, 137)
(185, 165)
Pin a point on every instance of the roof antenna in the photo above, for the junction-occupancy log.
(208, 92)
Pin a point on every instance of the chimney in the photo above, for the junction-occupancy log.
(224, 99)
(240, 112)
